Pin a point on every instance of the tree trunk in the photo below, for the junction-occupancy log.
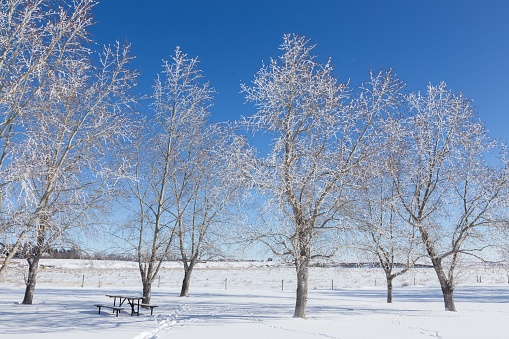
(389, 289)
(146, 280)
(33, 265)
(446, 285)
(448, 293)
(302, 289)
(147, 291)
(184, 292)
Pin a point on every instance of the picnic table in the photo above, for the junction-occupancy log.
(133, 301)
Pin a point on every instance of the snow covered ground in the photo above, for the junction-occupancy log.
(251, 300)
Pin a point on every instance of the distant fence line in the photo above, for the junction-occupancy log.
(283, 277)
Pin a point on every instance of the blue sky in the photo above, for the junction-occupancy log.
(464, 43)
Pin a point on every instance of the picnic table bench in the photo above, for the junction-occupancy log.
(149, 306)
(115, 309)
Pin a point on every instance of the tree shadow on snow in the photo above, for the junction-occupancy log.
(60, 311)
(477, 294)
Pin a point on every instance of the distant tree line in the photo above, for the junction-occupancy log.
(25, 251)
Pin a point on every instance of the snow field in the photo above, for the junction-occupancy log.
(252, 305)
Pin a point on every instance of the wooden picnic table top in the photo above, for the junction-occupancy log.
(125, 296)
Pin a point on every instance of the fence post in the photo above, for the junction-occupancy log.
(332, 284)
(159, 281)
(282, 284)
(83, 281)
(225, 283)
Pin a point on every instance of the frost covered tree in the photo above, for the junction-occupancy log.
(381, 230)
(209, 184)
(320, 137)
(36, 39)
(180, 104)
(70, 141)
(184, 181)
(205, 163)
(148, 229)
(447, 187)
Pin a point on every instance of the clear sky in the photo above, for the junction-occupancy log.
(462, 42)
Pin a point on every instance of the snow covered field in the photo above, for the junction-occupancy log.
(251, 300)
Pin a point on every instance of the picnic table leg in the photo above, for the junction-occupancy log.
(131, 303)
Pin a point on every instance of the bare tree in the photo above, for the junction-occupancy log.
(70, 139)
(446, 186)
(319, 141)
(36, 39)
(210, 180)
(149, 228)
(382, 231)
(167, 166)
